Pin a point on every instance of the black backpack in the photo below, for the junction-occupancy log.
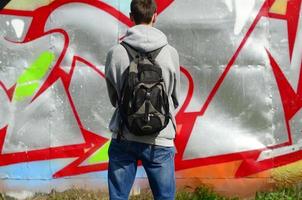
(144, 104)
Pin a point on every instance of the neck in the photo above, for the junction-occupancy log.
(150, 24)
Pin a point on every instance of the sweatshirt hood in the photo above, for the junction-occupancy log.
(145, 38)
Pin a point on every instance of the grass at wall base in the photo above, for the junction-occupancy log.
(200, 193)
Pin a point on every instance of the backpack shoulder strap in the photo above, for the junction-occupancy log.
(131, 51)
(134, 57)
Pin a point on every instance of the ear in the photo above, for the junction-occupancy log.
(154, 18)
(131, 17)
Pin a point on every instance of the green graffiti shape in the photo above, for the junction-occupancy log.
(29, 81)
(101, 155)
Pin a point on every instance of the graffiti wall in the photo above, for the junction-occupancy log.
(239, 126)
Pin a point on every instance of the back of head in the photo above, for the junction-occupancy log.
(142, 11)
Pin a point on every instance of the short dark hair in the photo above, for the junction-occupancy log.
(143, 10)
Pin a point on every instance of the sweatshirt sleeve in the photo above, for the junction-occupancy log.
(176, 89)
(110, 76)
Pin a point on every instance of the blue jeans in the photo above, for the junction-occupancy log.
(158, 162)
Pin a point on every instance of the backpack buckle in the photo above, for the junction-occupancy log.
(148, 95)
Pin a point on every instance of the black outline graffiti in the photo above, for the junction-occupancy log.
(3, 3)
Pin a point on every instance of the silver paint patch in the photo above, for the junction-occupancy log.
(46, 122)
(89, 93)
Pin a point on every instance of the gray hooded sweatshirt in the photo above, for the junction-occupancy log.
(144, 38)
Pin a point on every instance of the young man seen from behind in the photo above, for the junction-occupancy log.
(155, 151)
